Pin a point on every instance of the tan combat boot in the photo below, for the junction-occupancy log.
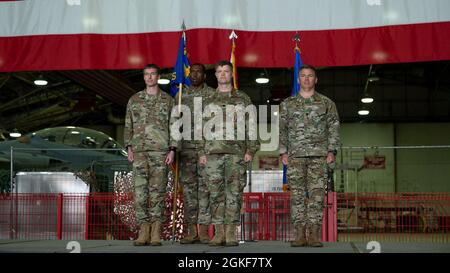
(192, 235)
(144, 235)
(314, 236)
(156, 234)
(300, 236)
(230, 235)
(219, 236)
(203, 234)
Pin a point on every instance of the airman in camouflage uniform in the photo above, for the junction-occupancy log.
(226, 159)
(309, 138)
(150, 148)
(195, 191)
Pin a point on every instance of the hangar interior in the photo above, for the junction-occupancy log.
(410, 107)
(391, 174)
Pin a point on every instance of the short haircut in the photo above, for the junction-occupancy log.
(201, 65)
(307, 66)
(153, 66)
(223, 63)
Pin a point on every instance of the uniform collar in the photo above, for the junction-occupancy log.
(233, 91)
(192, 91)
(147, 95)
(314, 97)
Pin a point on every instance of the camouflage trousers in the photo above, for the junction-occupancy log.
(150, 182)
(226, 180)
(307, 181)
(195, 191)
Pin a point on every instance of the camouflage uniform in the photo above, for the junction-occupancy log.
(195, 192)
(225, 168)
(309, 129)
(147, 132)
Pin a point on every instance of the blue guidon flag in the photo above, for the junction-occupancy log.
(182, 68)
(295, 90)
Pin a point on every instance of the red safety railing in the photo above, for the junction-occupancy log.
(110, 216)
(265, 216)
(394, 216)
(329, 226)
(252, 217)
(278, 225)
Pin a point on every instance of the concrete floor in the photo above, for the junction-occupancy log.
(116, 246)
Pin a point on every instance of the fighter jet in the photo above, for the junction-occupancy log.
(57, 149)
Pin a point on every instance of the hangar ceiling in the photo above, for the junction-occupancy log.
(413, 92)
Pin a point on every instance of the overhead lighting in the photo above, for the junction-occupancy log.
(363, 112)
(15, 133)
(262, 79)
(373, 77)
(40, 81)
(367, 99)
(163, 81)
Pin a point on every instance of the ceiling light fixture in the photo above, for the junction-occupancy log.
(40, 81)
(367, 98)
(163, 81)
(363, 112)
(15, 133)
(262, 79)
(373, 77)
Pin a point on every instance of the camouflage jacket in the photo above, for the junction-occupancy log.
(147, 122)
(188, 100)
(234, 144)
(308, 127)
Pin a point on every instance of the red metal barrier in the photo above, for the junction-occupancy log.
(393, 216)
(329, 226)
(278, 216)
(265, 216)
(25, 216)
(252, 217)
(59, 216)
(103, 216)
(278, 225)
(110, 216)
